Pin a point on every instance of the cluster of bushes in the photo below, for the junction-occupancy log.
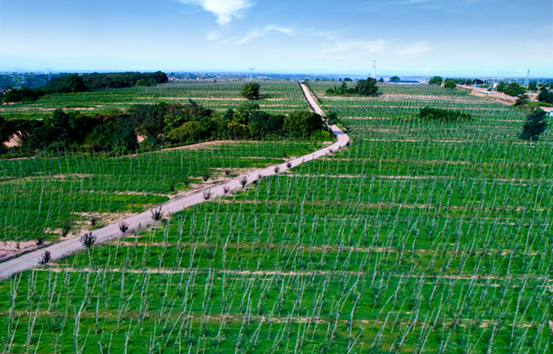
(512, 89)
(362, 88)
(443, 115)
(160, 124)
(545, 96)
(81, 83)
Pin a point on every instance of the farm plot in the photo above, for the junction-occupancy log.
(277, 97)
(418, 238)
(43, 196)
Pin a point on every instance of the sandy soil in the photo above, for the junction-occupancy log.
(13, 140)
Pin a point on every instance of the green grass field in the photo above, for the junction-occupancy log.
(420, 237)
(277, 97)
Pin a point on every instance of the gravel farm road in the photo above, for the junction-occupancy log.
(67, 247)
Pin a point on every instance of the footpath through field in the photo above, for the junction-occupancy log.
(111, 231)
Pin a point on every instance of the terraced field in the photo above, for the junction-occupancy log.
(420, 237)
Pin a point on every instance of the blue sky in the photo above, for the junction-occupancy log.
(417, 37)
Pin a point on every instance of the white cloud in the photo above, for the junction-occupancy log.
(260, 32)
(414, 48)
(225, 10)
(347, 50)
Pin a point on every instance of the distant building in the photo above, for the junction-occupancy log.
(405, 82)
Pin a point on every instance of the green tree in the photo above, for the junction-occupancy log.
(514, 89)
(395, 78)
(501, 86)
(450, 84)
(366, 87)
(186, 132)
(250, 90)
(522, 100)
(545, 96)
(436, 80)
(381, 80)
(533, 86)
(73, 83)
(535, 125)
(303, 123)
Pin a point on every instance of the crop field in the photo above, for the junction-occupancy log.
(40, 195)
(277, 97)
(419, 237)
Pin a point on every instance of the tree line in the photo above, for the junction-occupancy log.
(159, 124)
(81, 83)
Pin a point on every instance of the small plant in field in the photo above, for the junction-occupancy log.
(259, 176)
(226, 189)
(87, 240)
(45, 258)
(94, 219)
(40, 240)
(172, 188)
(207, 194)
(244, 181)
(277, 168)
(227, 172)
(288, 164)
(123, 227)
(66, 228)
(206, 175)
(186, 180)
(157, 214)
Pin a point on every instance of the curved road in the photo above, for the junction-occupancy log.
(111, 231)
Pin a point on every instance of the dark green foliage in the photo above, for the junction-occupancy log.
(535, 125)
(533, 86)
(333, 118)
(450, 84)
(348, 79)
(444, 115)
(250, 91)
(381, 80)
(522, 100)
(545, 96)
(80, 83)
(21, 95)
(436, 80)
(395, 78)
(342, 90)
(302, 123)
(513, 89)
(261, 123)
(363, 88)
(366, 87)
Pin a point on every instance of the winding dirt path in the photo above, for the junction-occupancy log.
(64, 248)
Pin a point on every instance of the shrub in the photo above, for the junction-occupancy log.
(436, 80)
(250, 91)
(88, 240)
(45, 258)
(157, 214)
(535, 125)
(123, 227)
(445, 115)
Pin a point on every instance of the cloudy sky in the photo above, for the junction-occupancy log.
(418, 37)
